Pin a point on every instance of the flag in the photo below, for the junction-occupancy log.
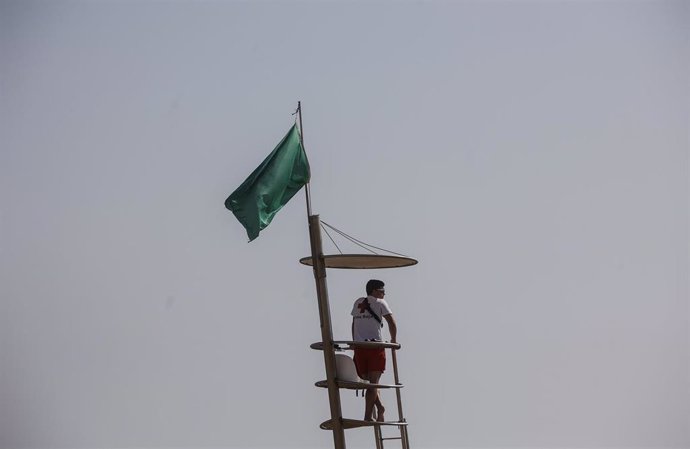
(271, 185)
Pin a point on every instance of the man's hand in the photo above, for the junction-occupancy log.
(392, 328)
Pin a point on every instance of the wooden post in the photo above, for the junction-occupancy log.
(326, 330)
(401, 418)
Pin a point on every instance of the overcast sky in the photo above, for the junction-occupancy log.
(532, 155)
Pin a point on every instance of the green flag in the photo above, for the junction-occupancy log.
(271, 185)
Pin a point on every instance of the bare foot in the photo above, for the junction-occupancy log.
(379, 414)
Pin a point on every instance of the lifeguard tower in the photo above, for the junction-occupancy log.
(340, 372)
(254, 203)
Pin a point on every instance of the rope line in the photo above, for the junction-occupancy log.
(329, 236)
(351, 239)
(361, 243)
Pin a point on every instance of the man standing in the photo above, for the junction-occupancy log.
(367, 320)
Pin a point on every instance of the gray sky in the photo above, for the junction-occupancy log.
(532, 155)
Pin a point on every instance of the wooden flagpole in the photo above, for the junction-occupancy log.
(319, 268)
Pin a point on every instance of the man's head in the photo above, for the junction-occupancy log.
(375, 288)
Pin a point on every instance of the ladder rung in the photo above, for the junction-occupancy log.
(392, 438)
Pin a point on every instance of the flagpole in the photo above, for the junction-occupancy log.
(319, 268)
(301, 139)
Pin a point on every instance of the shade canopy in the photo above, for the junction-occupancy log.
(362, 261)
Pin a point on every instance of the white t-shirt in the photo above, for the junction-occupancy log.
(365, 326)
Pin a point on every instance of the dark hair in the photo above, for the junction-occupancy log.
(374, 284)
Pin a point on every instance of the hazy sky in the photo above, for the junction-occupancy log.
(532, 155)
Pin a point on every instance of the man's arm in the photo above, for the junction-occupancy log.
(392, 328)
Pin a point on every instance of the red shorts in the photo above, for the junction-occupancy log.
(370, 359)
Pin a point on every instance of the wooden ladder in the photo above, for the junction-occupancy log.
(402, 429)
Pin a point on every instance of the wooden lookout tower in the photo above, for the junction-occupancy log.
(336, 362)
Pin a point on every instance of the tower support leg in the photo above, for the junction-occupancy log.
(326, 330)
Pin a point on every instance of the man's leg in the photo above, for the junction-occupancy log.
(379, 407)
(371, 395)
